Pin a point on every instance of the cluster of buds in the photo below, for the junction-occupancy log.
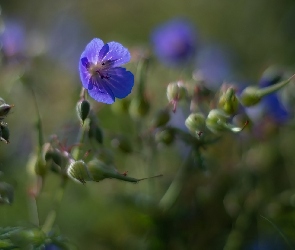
(220, 112)
(4, 111)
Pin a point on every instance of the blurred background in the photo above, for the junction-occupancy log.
(242, 197)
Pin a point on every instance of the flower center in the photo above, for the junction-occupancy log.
(98, 70)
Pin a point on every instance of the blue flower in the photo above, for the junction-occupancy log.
(174, 42)
(13, 38)
(274, 108)
(214, 66)
(100, 72)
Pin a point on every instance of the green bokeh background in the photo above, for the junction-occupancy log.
(118, 215)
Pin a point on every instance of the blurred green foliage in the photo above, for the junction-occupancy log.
(221, 206)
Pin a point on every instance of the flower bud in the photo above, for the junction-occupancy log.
(217, 122)
(176, 91)
(40, 166)
(165, 136)
(4, 133)
(161, 118)
(6, 193)
(95, 132)
(4, 110)
(139, 107)
(195, 122)
(28, 238)
(83, 108)
(228, 101)
(78, 171)
(250, 96)
(122, 143)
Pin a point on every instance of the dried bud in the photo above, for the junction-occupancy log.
(195, 122)
(165, 136)
(228, 101)
(83, 108)
(122, 143)
(139, 107)
(78, 171)
(161, 118)
(4, 133)
(6, 193)
(176, 91)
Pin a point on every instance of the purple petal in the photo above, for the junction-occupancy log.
(120, 81)
(85, 62)
(105, 49)
(101, 91)
(92, 50)
(117, 54)
(84, 75)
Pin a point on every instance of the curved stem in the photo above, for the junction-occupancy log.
(175, 187)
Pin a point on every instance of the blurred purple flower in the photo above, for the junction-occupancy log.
(266, 244)
(66, 37)
(213, 66)
(12, 39)
(100, 74)
(272, 104)
(52, 247)
(174, 42)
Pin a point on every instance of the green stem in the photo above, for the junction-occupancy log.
(273, 88)
(175, 187)
(50, 219)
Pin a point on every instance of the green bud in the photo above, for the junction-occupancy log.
(4, 110)
(161, 118)
(4, 133)
(252, 95)
(139, 107)
(122, 143)
(176, 91)
(40, 166)
(83, 108)
(195, 122)
(78, 171)
(99, 171)
(95, 132)
(228, 101)
(165, 136)
(28, 238)
(6, 193)
(217, 122)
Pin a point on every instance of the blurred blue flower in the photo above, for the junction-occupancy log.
(12, 39)
(272, 104)
(174, 42)
(214, 66)
(51, 247)
(100, 74)
(266, 244)
(66, 28)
